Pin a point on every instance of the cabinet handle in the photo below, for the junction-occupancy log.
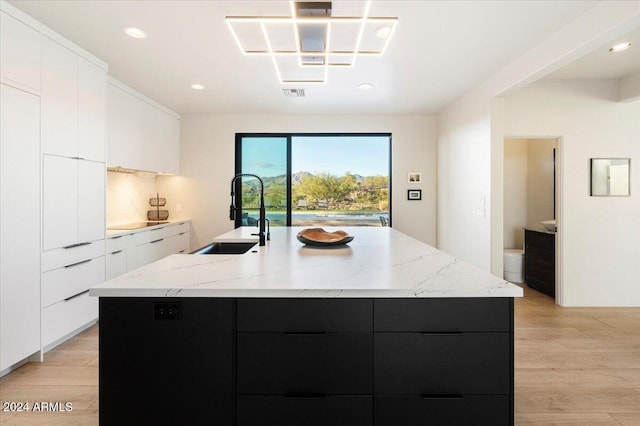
(429, 396)
(156, 229)
(116, 237)
(182, 233)
(156, 241)
(76, 295)
(116, 252)
(304, 333)
(304, 395)
(442, 333)
(76, 245)
(181, 251)
(78, 263)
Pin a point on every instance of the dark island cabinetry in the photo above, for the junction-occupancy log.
(540, 261)
(307, 361)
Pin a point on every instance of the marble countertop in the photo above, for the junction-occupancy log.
(542, 230)
(379, 262)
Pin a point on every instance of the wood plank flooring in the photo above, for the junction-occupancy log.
(574, 366)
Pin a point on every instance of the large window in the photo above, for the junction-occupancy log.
(315, 180)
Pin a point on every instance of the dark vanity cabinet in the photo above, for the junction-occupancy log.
(350, 362)
(540, 261)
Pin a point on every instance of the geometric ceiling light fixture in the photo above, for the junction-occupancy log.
(306, 44)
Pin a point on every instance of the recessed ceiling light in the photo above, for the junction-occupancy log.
(135, 32)
(197, 86)
(383, 32)
(365, 86)
(620, 47)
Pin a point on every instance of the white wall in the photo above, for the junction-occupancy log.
(539, 181)
(471, 137)
(207, 165)
(515, 191)
(600, 234)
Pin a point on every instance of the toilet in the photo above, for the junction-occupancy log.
(514, 265)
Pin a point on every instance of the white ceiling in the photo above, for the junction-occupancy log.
(602, 64)
(439, 50)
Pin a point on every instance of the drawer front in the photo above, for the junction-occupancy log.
(119, 242)
(180, 228)
(68, 281)
(64, 317)
(472, 410)
(539, 239)
(153, 234)
(291, 411)
(282, 364)
(183, 242)
(116, 263)
(466, 363)
(441, 314)
(60, 257)
(325, 315)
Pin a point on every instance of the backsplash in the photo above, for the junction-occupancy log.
(128, 196)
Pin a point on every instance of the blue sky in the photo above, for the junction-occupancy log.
(363, 155)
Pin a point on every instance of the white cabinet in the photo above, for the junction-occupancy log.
(74, 201)
(91, 201)
(141, 135)
(73, 104)
(156, 243)
(67, 275)
(19, 224)
(118, 255)
(59, 99)
(92, 111)
(19, 53)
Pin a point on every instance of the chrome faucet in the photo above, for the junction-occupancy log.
(233, 209)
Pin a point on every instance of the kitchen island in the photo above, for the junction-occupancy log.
(384, 331)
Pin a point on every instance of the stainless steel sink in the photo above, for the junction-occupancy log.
(225, 248)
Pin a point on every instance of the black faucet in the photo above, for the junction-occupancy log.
(233, 208)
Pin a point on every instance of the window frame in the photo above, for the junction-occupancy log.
(289, 137)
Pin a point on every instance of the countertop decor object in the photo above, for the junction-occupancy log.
(320, 237)
(157, 214)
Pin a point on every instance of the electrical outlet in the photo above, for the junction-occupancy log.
(167, 311)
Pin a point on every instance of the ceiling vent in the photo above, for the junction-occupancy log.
(294, 93)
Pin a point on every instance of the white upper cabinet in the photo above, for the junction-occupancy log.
(59, 99)
(19, 53)
(73, 104)
(92, 111)
(141, 135)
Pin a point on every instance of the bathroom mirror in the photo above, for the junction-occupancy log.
(610, 177)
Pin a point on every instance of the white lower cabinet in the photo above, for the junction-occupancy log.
(67, 275)
(19, 225)
(67, 316)
(147, 246)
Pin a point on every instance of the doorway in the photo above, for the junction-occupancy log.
(530, 212)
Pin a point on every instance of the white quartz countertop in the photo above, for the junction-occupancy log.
(379, 262)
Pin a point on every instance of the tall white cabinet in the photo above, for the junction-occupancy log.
(19, 225)
(19, 191)
(73, 127)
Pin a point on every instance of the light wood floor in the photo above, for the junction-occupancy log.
(574, 366)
